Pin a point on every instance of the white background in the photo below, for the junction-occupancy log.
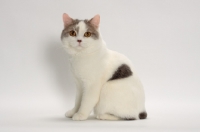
(161, 37)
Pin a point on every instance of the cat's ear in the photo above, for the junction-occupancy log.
(67, 20)
(95, 21)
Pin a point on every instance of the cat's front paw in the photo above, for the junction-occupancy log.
(70, 113)
(79, 117)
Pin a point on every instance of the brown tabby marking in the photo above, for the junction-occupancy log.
(72, 26)
(67, 29)
(122, 72)
(92, 29)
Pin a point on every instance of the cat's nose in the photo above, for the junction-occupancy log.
(79, 40)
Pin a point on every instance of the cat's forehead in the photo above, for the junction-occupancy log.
(81, 26)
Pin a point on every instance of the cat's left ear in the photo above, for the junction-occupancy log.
(95, 21)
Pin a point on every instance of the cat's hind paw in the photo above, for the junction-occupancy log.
(79, 117)
(107, 117)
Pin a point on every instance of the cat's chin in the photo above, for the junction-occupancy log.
(79, 47)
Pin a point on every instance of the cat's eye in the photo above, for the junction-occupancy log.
(87, 34)
(72, 33)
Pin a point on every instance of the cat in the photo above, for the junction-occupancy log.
(106, 81)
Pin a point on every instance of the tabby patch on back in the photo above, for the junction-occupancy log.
(123, 71)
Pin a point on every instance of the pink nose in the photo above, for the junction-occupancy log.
(79, 40)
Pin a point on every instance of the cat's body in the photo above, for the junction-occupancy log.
(106, 81)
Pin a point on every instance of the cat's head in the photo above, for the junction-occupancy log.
(80, 35)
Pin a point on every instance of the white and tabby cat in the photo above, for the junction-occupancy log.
(106, 81)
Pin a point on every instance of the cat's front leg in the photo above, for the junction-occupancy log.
(90, 98)
(71, 112)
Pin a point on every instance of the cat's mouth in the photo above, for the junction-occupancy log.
(78, 46)
(81, 45)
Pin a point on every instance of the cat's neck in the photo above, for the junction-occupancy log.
(90, 52)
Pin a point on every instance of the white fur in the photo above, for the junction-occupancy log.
(93, 65)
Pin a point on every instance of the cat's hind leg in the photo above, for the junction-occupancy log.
(107, 117)
(120, 99)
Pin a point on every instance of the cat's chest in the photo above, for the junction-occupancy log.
(87, 69)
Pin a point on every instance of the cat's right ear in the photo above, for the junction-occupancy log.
(67, 20)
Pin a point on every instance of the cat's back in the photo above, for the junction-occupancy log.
(116, 59)
(117, 62)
